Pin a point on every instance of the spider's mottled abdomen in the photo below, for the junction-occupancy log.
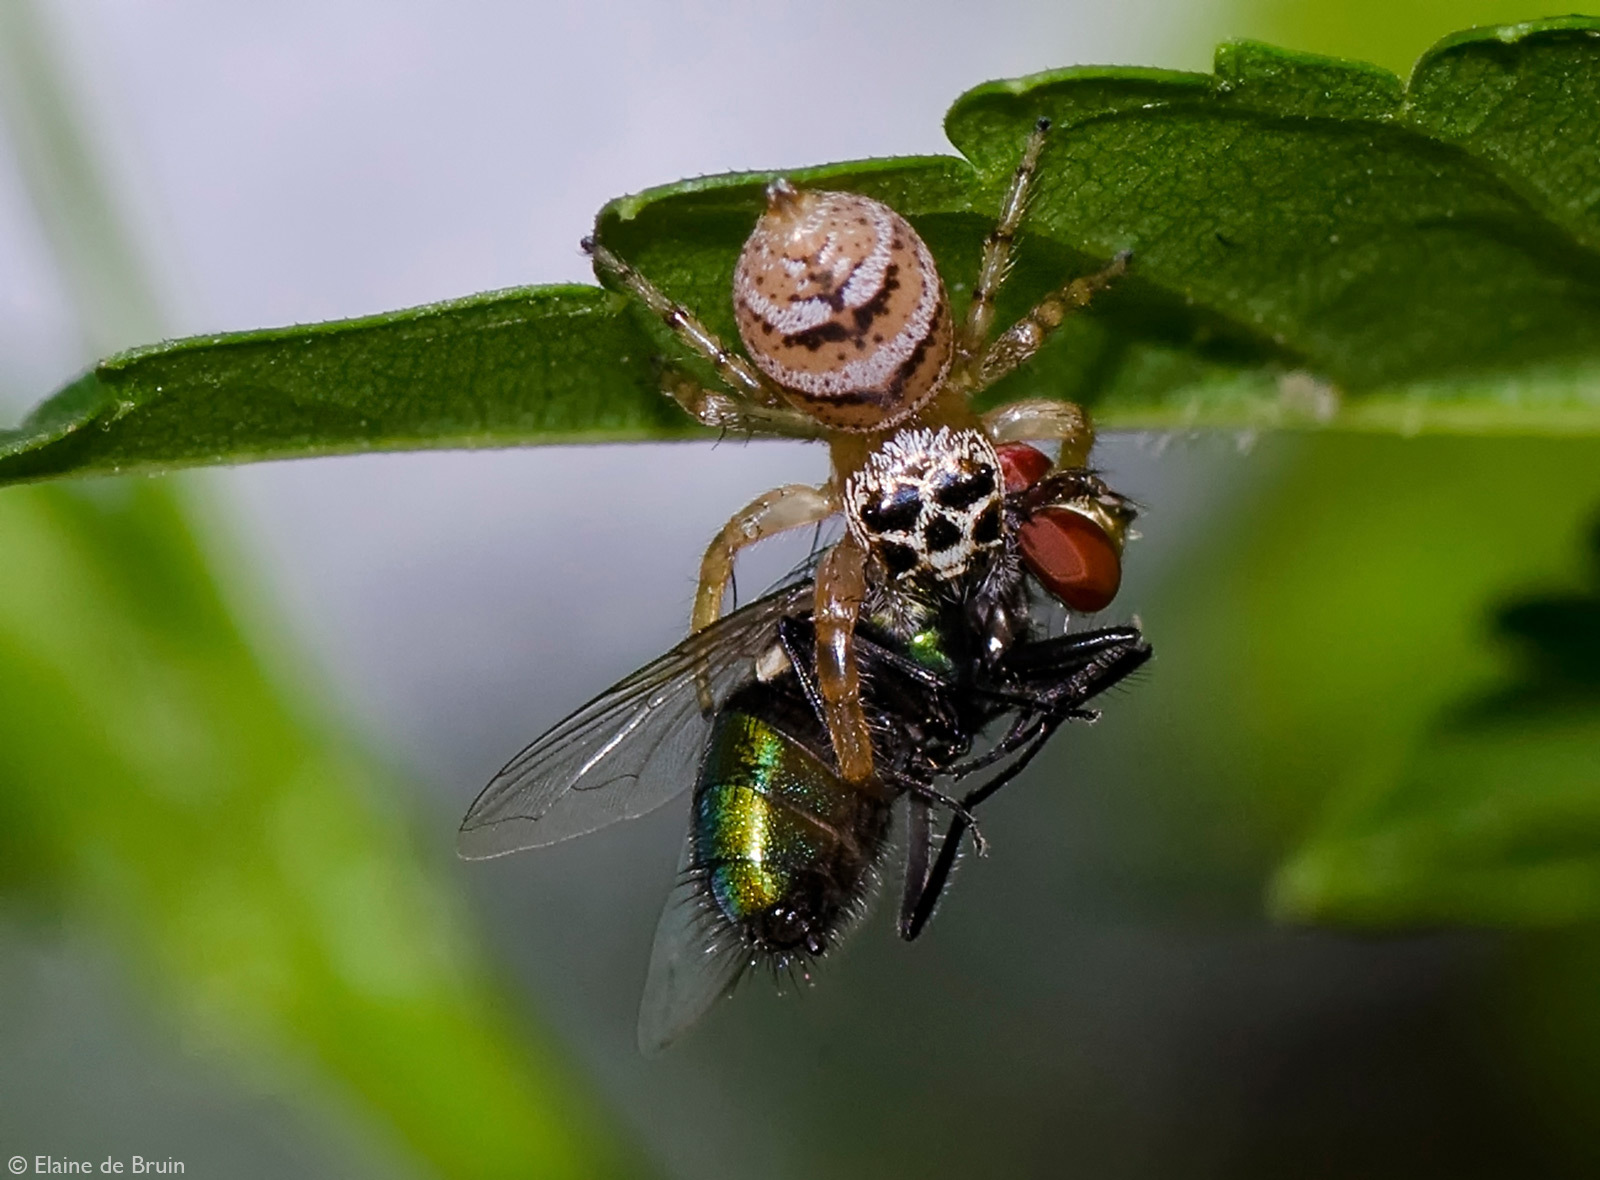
(839, 303)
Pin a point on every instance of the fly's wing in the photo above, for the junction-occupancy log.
(692, 962)
(632, 748)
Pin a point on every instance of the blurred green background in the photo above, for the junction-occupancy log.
(1318, 897)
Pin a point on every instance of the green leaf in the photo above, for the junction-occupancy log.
(156, 788)
(1526, 101)
(540, 362)
(1493, 817)
(1314, 244)
(1316, 627)
(1301, 205)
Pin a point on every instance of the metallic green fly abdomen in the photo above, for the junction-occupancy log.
(785, 848)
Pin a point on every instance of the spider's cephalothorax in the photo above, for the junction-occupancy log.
(840, 304)
(927, 505)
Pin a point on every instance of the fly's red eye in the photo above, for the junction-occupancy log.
(1022, 465)
(1072, 556)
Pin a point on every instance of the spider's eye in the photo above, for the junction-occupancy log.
(1073, 557)
(960, 492)
(896, 512)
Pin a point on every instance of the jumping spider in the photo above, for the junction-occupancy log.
(850, 338)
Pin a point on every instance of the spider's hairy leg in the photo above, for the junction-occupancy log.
(740, 374)
(997, 251)
(1020, 341)
(1044, 420)
(789, 507)
(841, 587)
(735, 415)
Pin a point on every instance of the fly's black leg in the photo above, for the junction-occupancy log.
(1065, 672)
(1035, 675)
(1046, 730)
(1054, 678)
(919, 850)
(958, 809)
(799, 644)
(1027, 728)
(1076, 649)
(1021, 732)
(1070, 669)
(914, 916)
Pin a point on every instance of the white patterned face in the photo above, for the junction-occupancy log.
(928, 505)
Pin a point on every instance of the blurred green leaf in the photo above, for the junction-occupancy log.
(1317, 629)
(1389, 32)
(101, 266)
(1493, 817)
(1314, 244)
(159, 788)
(153, 782)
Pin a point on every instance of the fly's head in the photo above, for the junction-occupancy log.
(1070, 527)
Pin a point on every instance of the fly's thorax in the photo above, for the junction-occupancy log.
(839, 302)
(785, 849)
(911, 617)
(928, 506)
(999, 611)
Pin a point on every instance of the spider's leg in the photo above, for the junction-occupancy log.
(997, 252)
(841, 587)
(1044, 420)
(1020, 341)
(742, 377)
(730, 414)
(789, 507)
